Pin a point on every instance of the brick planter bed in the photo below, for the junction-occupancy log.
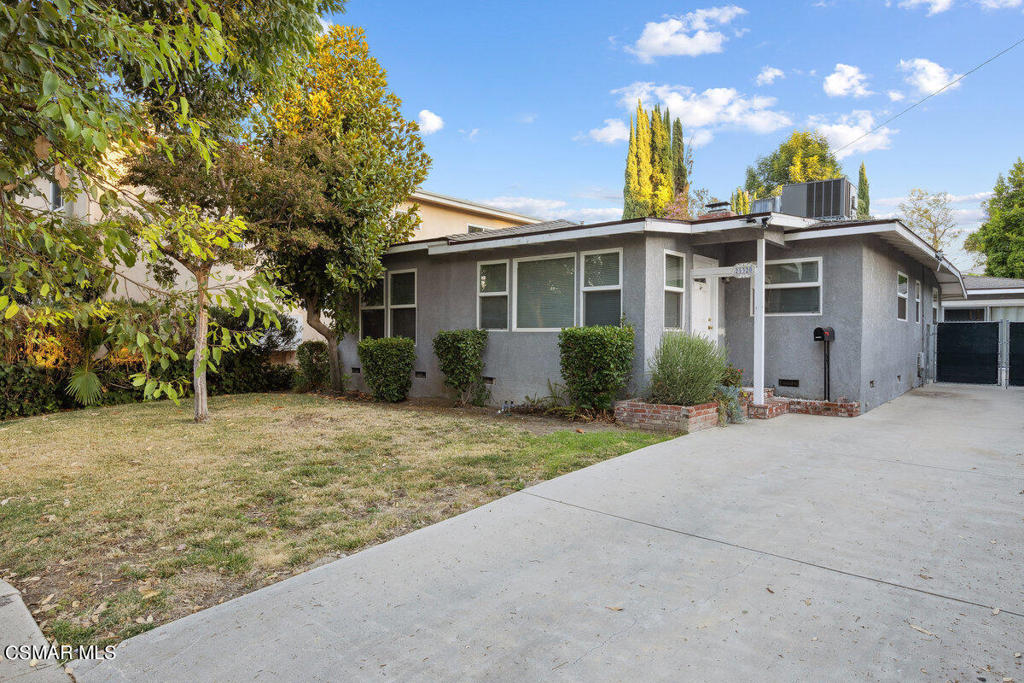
(828, 408)
(639, 414)
(780, 405)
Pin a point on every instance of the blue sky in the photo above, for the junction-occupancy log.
(527, 102)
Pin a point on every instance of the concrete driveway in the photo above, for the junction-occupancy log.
(800, 548)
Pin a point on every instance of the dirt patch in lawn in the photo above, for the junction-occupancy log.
(118, 519)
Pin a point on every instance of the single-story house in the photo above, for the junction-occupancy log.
(758, 284)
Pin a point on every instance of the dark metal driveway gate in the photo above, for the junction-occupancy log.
(968, 353)
(1016, 354)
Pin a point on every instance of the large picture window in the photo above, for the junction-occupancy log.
(545, 292)
(602, 287)
(675, 288)
(902, 288)
(791, 287)
(492, 295)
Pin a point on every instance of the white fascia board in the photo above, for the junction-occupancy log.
(1005, 290)
(538, 238)
(981, 303)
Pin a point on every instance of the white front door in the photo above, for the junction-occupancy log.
(704, 301)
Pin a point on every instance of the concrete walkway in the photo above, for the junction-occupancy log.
(878, 547)
(19, 629)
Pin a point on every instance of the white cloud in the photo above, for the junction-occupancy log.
(613, 130)
(527, 118)
(849, 127)
(469, 134)
(895, 95)
(934, 6)
(926, 76)
(768, 75)
(596, 215)
(325, 25)
(689, 35)
(430, 122)
(714, 108)
(846, 80)
(532, 206)
(952, 198)
(701, 137)
(1000, 4)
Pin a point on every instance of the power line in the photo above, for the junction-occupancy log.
(923, 99)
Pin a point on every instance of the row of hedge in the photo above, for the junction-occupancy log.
(595, 364)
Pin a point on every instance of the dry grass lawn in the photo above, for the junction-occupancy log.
(115, 520)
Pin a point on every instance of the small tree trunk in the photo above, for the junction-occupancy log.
(333, 353)
(202, 413)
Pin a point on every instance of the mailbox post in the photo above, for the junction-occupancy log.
(827, 335)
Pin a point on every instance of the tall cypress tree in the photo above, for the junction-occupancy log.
(680, 172)
(661, 164)
(643, 199)
(630, 188)
(863, 195)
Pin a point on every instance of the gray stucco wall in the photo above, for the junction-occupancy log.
(859, 302)
(790, 350)
(891, 346)
(521, 363)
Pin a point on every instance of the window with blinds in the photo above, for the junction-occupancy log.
(545, 292)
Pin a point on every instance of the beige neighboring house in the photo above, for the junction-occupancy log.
(440, 216)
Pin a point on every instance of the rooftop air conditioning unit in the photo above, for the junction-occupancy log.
(834, 199)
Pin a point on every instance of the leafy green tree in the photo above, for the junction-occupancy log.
(1000, 239)
(83, 85)
(930, 216)
(863, 194)
(803, 157)
(337, 159)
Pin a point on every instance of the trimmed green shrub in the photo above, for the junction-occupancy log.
(596, 362)
(250, 370)
(314, 368)
(387, 366)
(460, 355)
(28, 390)
(685, 369)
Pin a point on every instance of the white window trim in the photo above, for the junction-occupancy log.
(917, 301)
(507, 294)
(413, 305)
(902, 296)
(678, 290)
(382, 307)
(515, 288)
(820, 284)
(600, 288)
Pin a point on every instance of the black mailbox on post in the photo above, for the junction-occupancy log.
(827, 335)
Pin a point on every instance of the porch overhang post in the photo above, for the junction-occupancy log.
(759, 325)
